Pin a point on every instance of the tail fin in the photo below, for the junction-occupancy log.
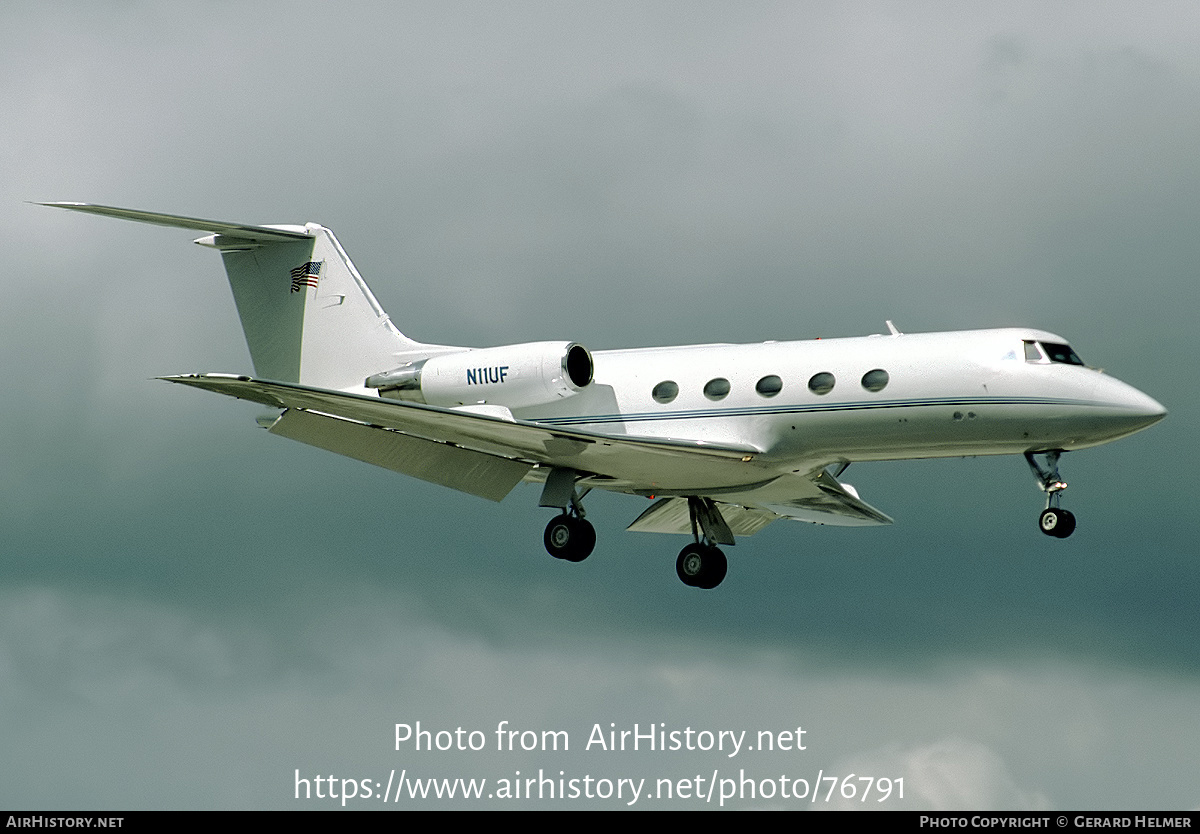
(307, 314)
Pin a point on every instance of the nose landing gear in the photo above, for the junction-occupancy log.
(1053, 521)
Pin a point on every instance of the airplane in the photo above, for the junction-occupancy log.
(725, 439)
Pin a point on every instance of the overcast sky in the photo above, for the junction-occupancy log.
(192, 610)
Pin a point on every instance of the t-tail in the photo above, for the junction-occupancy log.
(308, 316)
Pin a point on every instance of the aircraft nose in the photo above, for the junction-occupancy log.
(1132, 409)
(1149, 410)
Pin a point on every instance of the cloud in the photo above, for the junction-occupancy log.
(135, 703)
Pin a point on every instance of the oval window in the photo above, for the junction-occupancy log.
(875, 380)
(769, 386)
(717, 389)
(821, 383)
(664, 392)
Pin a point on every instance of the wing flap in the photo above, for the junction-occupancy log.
(487, 476)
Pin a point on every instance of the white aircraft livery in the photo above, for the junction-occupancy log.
(724, 438)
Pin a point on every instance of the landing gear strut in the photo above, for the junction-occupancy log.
(1054, 521)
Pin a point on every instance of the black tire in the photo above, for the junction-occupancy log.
(569, 538)
(701, 566)
(1057, 523)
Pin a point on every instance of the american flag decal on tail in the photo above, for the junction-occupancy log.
(306, 275)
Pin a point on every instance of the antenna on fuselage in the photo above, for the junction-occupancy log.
(892, 328)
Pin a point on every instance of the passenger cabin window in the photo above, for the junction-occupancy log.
(769, 386)
(665, 391)
(821, 383)
(717, 389)
(875, 380)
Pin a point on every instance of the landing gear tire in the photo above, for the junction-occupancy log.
(570, 538)
(1056, 522)
(701, 566)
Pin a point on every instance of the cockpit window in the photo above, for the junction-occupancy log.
(1061, 353)
(1051, 352)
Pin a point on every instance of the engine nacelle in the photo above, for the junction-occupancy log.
(516, 376)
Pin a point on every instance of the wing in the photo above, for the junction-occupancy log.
(485, 453)
(478, 452)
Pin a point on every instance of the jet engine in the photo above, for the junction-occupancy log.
(516, 376)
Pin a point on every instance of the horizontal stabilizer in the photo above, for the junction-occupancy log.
(232, 230)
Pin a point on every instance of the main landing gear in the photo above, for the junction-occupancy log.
(568, 536)
(571, 537)
(1054, 521)
(702, 564)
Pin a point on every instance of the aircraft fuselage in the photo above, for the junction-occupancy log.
(884, 397)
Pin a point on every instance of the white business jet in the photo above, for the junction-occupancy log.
(727, 438)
